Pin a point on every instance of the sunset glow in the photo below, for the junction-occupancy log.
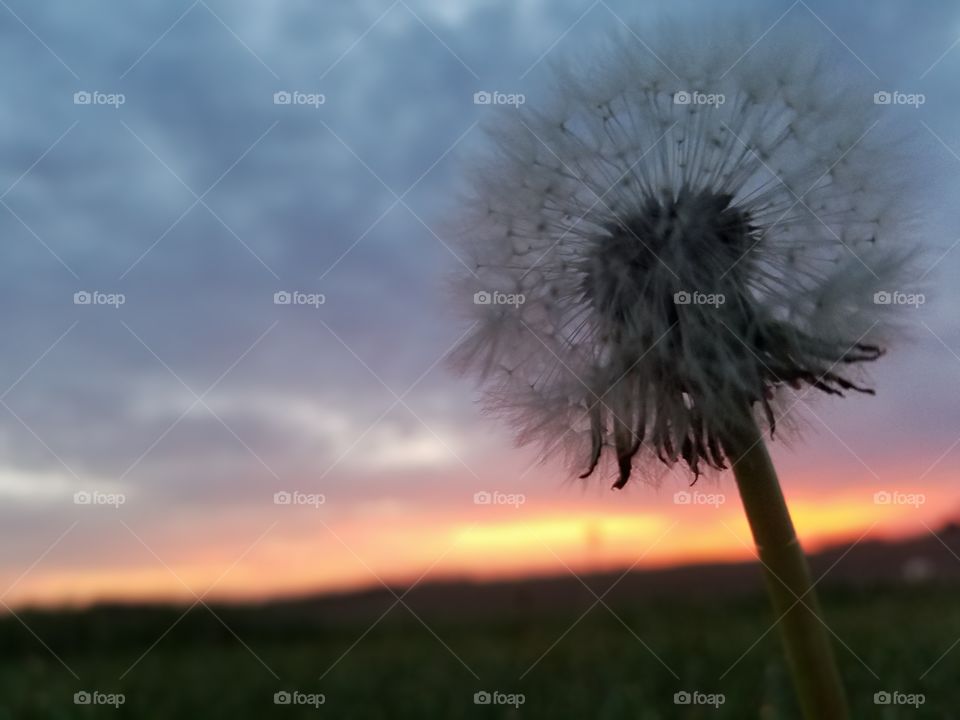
(416, 547)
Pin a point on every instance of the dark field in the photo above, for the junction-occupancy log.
(400, 669)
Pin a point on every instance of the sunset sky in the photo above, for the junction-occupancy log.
(197, 399)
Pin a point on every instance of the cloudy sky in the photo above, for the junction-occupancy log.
(152, 169)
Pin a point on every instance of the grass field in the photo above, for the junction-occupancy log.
(598, 669)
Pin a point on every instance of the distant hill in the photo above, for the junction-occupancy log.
(917, 560)
(927, 562)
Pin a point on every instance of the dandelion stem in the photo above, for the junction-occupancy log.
(808, 648)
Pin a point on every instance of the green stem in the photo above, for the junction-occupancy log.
(804, 635)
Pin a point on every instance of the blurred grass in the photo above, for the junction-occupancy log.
(601, 668)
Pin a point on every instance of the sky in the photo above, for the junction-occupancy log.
(181, 399)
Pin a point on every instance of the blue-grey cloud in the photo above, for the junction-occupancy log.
(297, 197)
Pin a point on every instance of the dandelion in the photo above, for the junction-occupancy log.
(697, 234)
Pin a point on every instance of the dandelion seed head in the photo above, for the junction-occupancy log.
(694, 232)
